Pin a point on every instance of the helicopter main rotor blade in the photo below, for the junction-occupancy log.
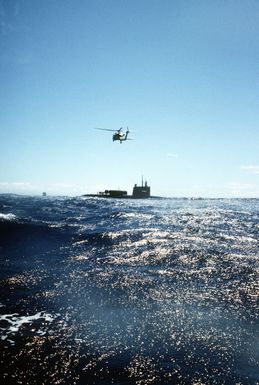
(104, 129)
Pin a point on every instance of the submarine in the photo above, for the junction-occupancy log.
(138, 192)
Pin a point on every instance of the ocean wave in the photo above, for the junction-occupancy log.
(134, 292)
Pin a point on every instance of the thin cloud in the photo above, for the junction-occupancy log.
(240, 186)
(9, 25)
(243, 190)
(9, 9)
(6, 28)
(252, 169)
(8, 13)
(171, 155)
(15, 184)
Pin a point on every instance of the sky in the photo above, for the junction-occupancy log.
(181, 74)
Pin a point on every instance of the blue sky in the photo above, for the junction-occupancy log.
(182, 75)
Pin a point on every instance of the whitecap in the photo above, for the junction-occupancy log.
(8, 217)
(15, 322)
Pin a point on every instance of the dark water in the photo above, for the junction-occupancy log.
(128, 292)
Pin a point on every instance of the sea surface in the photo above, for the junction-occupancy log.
(128, 292)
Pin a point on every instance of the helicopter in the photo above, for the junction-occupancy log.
(119, 134)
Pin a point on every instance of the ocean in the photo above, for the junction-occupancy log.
(128, 292)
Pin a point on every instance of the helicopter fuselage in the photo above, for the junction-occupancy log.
(119, 136)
